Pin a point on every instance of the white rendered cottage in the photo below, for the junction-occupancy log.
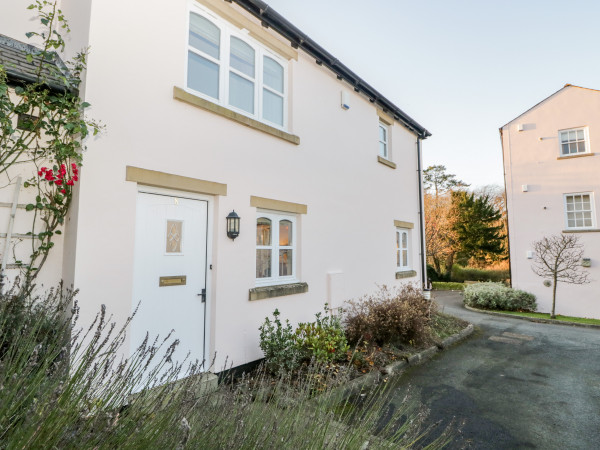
(213, 107)
(552, 185)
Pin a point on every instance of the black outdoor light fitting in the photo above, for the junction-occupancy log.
(233, 225)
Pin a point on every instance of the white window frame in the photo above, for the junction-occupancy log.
(227, 31)
(386, 142)
(592, 210)
(275, 218)
(586, 141)
(399, 248)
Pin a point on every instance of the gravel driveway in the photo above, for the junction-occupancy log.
(514, 384)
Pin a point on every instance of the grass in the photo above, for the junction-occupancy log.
(443, 326)
(537, 315)
(444, 286)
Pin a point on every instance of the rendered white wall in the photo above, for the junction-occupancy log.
(137, 57)
(540, 211)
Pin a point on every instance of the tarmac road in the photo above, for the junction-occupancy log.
(514, 384)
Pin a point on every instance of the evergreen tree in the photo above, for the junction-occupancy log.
(478, 227)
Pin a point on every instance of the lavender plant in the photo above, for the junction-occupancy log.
(64, 387)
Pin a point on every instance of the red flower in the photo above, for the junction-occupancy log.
(73, 165)
(75, 178)
(63, 191)
(70, 182)
(40, 173)
(58, 182)
(43, 169)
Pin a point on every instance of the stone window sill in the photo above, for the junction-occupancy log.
(263, 292)
(576, 155)
(406, 274)
(194, 100)
(386, 162)
(587, 230)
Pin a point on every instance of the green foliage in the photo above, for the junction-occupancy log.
(389, 316)
(444, 286)
(498, 296)
(437, 182)
(278, 343)
(323, 340)
(547, 316)
(477, 227)
(433, 275)
(49, 136)
(63, 387)
(461, 274)
(285, 348)
(63, 392)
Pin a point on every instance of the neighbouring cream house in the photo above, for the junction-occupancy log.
(215, 109)
(552, 180)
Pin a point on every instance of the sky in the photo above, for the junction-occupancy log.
(461, 68)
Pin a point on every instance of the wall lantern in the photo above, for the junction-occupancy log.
(233, 225)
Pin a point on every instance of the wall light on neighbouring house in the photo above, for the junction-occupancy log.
(233, 225)
(529, 254)
(586, 262)
(520, 127)
(525, 187)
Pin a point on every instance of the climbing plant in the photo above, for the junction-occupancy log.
(42, 130)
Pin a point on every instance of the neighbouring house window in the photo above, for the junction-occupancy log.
(275, 248)
(402, 249)
(573, 142)
(383, 140)
(231, 69)
(579, 210)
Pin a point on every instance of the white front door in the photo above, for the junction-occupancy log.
(170, 273)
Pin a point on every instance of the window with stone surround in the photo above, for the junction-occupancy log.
(579, 211)
(229, 68)
(573, 142)
(276, 238)
(403, 256)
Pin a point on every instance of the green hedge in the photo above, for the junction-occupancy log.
(461, 274)
(443, 286)
(498, 296)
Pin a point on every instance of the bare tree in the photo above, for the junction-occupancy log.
(559, 257)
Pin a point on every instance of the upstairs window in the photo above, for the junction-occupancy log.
(229, 68)
(383, 140)
(579, 211)
(573, 142)
(204, 54)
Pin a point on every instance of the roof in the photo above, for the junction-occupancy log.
(547, 98)
(271, 18)
(13, 57)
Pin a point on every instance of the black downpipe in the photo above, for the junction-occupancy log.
(425, 284)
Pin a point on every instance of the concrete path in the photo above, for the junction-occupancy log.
(513, 384)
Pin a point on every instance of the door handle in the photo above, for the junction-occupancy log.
(203, 295)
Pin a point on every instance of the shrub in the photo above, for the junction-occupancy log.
(63, 387)
(434, 276)
(461, 274)
(442, 286)
(278, 343)
(389, 315)
(324, 340)
(89, 405)
(498, 296)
